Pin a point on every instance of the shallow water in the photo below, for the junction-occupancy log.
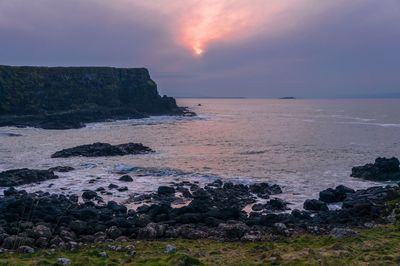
(303, 145)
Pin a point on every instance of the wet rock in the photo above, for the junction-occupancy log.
(169, 249)
(11, 191)
(63, 261)
(315, 205)
(257, 207)
(117, 208)
(113, 186)
(122, 189)
(338, 194)
(382, 170)
(89, 195)
(340, 233)
(74, 198)
(62, 169)
(343, 190)
(103, 149)
(163, 190)
(264, 190)
(23, 176)
(126, 178)
(276, 205)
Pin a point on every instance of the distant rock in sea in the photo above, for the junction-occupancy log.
(287, 98)
(99, 149)
(69, 97)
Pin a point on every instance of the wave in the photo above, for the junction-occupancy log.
(9, 134)
(253, 152)
(371, 124)
(152, 120)
(346, 117)
(159, 172)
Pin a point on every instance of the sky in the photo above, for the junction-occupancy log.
(217, 48)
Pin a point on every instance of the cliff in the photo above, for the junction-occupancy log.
(46, 96)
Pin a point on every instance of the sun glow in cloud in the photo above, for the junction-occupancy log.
(197, 24)
(208, 21)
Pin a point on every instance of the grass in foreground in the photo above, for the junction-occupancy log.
(378, 246)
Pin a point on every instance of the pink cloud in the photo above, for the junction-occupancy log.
(195, 24)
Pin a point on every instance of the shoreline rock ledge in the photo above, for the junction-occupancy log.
(70, 97)
(382, 170)
(99, 149)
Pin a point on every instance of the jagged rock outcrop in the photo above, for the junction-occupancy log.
(23, 176)
(99, 149)
(382, 170)
(69, 97)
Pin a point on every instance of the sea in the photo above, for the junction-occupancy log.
(304, 146)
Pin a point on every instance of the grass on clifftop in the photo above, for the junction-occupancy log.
(378, 246)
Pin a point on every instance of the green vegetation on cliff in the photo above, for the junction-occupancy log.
(377, 246)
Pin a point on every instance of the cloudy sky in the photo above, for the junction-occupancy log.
(251, 48)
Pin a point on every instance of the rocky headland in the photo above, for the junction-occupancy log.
(70, 97)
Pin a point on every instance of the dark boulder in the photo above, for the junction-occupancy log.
(89, 195)
(233, 230)
(382, 170)
(276, 205)
(122, 189)
(99, 149)
(126, 178)
(62, 169)
(164, 190)
(315, 205)
(23, 176)
(113, 186)
(338, 194)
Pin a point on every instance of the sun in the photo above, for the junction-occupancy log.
(197, 50)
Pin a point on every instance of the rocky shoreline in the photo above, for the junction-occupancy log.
(219, 210)
(103, 149)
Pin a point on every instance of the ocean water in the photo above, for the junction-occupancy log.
(303, 145)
